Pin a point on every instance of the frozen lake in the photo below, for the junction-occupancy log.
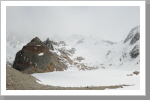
(103, 77)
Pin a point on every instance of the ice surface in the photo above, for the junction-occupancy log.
(102, 77)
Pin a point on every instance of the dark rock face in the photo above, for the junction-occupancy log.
(135, 38)
(135, 52)
(35, 57)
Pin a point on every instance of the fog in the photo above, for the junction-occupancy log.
(109, 23)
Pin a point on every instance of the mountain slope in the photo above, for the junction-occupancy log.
(89, 52)
(125, 54)
(107, 54)
(36, 57)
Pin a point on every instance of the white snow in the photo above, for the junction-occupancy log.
(106, 54)
(96, 55)
(72, 78)
(90, 51)
(40, 54)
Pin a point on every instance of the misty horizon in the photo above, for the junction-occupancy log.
(109, 23)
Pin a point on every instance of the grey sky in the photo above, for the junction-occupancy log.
(110, 23)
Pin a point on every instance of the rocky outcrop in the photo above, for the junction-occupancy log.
(82, 66)
(64, 56)
(68, 52)
(132, 34)
(62, 43)
(80, 58)
(135, 38)
(135, 52)
(36, 57)
(64, 50)
(49, 44)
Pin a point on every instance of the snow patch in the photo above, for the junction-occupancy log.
(40, 54)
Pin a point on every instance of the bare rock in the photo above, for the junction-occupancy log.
(79, 59)
(135, 38)
(36, 57)
(49, 44)
(133, 33)
(136, 72)
(135, 51)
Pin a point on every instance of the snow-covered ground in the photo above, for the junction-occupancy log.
(92, 49)
(101, 77)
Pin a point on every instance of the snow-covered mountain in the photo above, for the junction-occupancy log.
(125, 54)
(106, 63)
(13, 45)
(89, 51)
(92, 49)
(107, 54)
(65, 53)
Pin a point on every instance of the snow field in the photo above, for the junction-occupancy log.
(109, 77)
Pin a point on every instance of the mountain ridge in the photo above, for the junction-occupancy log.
(92, 53)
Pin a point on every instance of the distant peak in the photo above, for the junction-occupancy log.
(132, 33)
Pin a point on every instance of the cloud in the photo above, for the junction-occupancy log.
(110, 23)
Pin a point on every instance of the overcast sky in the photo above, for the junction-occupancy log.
(110, 23)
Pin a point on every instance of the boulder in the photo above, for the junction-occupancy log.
(136, 72)
(36, 57)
